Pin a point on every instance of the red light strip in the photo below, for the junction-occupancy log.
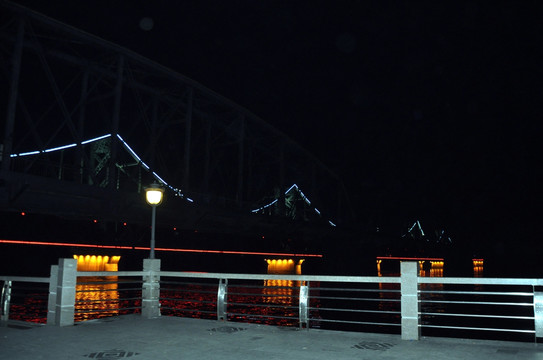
(228, 252)
(23, 242)
(408, 258)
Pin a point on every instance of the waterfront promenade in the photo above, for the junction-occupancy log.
(134, 337)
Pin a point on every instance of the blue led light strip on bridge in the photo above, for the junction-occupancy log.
(136, 157)
(307, 201)
(125, 145)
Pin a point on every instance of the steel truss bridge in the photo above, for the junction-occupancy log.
(88, 124)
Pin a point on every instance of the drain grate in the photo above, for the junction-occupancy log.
(365, 345)
(226, 329)
(111, 354)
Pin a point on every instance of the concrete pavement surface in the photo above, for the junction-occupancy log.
(135, 338)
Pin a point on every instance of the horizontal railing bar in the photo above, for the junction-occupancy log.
(357, 279)
(84, 303)
(478, 293)
(85, 311)
(25, 279)
(27, 286)
(264, 305)
(190, 300)
(323, 278)
(481, 316)
(188, 291)
(355, 322)
(474, 303)
(268, 288)
(42, 295)
(479, 281)
(112, 273)
(189, 310)
(263, 316)
(110, 283)
(209, 284)
(475, 328)
(265, 295)
(93, 311)
(105, 290)
(242, 286)
(354, 299)
(260, 292)
(358, 310)
(106, 300)
(359, 290)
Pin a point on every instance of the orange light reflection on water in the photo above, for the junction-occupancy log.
(96, 297)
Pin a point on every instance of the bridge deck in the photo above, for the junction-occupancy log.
(185, 338)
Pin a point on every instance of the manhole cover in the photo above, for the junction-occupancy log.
(111, 354)
(226, 329)
(373, 346)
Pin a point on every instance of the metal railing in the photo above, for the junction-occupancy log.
(293, 300)
(408, 304)
(27, 292)
(107, 295)
(468, 307)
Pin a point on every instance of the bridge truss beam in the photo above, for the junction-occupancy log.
(65, 86)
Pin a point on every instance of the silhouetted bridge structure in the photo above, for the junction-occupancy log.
(88, 124)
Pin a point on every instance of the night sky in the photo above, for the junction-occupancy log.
(429, 111)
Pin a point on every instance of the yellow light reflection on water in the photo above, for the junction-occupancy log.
(96, 297)
(436, 269)
(279, 291)
(281, 295)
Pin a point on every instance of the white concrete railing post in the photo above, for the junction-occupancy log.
(538, 314)
(410, 301)
(150, 293)
(303, 305)
(65, 295)
(52, 302)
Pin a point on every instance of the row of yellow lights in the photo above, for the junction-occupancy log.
(97, 262)
(99, 258)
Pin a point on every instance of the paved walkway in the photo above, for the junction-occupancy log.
(136, 338)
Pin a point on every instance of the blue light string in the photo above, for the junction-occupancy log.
(156, 176)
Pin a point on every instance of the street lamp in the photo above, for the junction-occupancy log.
(153, 195)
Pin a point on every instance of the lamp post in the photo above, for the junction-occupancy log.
(153, 195)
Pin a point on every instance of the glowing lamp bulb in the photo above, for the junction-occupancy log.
(154, 194)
